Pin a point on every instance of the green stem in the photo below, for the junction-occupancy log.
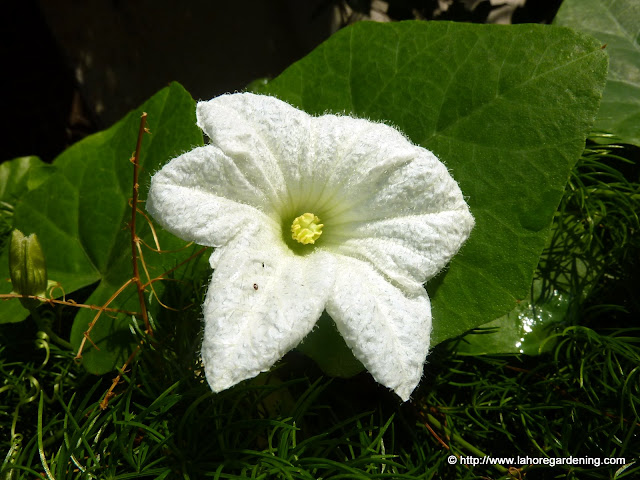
(43, 456)
(44, 326)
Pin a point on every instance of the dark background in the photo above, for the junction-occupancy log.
(74, 67)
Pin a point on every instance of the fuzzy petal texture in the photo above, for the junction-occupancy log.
(408, 224)
(393, 217)
(262, 301)
(265, 137)
(383, 199)
(201, 196)
(387, 328)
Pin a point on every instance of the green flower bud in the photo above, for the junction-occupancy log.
(27, 267)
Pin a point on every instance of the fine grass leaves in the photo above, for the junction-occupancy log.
(582, 400)
(507, 109)
(615, 23)
(80, 213)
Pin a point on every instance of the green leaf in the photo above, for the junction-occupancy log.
(81, 213)
(615, 23)
(17, 177)
(336, 361)
(525, 329)
(20, 175)
(506, 108)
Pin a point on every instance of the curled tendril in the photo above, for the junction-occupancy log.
(35, 388)
(53, 286)
(42, 342)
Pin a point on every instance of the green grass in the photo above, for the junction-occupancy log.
(582, 399)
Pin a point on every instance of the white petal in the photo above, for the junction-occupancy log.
(408, 250)
(262, 301)
(303, 162)
(387, 329)
(269, 141)
(355, 158)
(408, 225)
(418, 186)
(346, 154)
(393, 218)
(202, 196)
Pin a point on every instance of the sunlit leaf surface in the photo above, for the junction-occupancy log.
(507, 109)
(616, 23)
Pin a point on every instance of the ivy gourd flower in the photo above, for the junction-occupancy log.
(306, 214)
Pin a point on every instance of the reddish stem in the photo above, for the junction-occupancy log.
(134, 238)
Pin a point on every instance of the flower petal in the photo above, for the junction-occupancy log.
(355, 158)
(392, 215)
(202, 196)
(407, 250)
(262, 301)
(408, 224)
(418, 185)
(305, 162)
(387, 329)
(268, 140)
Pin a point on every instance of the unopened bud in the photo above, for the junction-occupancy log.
(27, 267)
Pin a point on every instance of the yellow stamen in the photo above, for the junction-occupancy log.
(306, 228)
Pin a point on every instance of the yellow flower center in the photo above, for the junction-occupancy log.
(306, 229)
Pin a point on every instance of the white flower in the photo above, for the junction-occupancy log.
(307, 214)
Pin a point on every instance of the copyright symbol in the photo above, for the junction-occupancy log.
(452, 459)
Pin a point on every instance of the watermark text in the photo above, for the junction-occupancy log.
(527, 460)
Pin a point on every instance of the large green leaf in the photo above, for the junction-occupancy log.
(506, 108)
(80, 214)
(615, 23)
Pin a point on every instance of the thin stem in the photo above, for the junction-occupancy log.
(95, 319)
(161, 277)
(44, 326)
(104, 403)
(69, 303)
(134, 238)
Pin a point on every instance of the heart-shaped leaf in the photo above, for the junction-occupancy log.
(506, 108)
